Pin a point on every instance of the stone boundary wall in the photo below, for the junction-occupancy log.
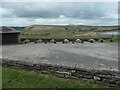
(60, 39)
(111, 78)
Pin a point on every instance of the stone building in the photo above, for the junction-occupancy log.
(9, 35)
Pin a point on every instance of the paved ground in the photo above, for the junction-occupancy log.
(87, 55)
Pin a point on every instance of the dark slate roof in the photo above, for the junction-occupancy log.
(4, 29)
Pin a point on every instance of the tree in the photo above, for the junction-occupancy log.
(66, 29)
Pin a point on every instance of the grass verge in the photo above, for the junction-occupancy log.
(19, 78)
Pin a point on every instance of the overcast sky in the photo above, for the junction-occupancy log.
(58, 13)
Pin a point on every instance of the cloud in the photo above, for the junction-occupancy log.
(56, 21)
(62, 16)
(60, 13)
(5, 12)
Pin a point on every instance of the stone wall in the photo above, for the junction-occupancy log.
(111, 78)
(60, 40)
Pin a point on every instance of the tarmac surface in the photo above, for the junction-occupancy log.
(87, 55)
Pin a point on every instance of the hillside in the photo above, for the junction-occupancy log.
(70, 31)
(70, 27)
(43, 27)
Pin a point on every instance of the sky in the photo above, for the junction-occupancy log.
(59, 13)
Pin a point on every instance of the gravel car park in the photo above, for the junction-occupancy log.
(88, 55)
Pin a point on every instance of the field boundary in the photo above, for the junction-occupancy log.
(111, 78)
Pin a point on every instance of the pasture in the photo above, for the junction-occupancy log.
(69, 32)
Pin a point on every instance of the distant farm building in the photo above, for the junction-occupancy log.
(9, 35)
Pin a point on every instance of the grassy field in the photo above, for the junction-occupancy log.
(0, 76)
(61, 32)
(18, 78)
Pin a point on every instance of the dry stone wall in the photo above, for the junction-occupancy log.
(111, 78)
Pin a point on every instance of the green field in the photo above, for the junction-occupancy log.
(18, 78)
(61, 32)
